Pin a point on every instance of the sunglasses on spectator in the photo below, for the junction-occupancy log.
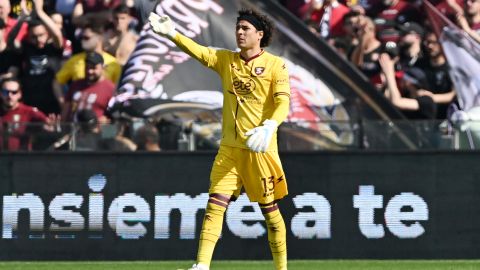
(7, 92)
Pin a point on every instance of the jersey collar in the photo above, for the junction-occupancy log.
(253, 57)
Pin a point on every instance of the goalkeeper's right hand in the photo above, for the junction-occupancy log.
(162, 25)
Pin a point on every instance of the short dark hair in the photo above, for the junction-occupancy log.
(96, 28)
(350, 14)
(34, 23)
(94, 58)
(121, 9)
(87, 120)
(412, 27)
(145, 134)
(266, 24)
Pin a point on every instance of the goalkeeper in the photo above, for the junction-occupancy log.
(256, 94)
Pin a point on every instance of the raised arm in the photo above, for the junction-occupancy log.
(52, 28)
(463, 23)
(397, 100)
(77, 12)
(164, 26)
(12, 41)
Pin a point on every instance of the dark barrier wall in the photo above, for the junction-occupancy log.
(142, 206)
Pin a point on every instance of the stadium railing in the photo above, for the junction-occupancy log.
(292, 136)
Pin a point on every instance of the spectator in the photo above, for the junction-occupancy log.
(469, 20)
(328, 15)
(436, 68)
(100, 7)
(413, 105)
(392, 12)
(8, 64)
(147, 138)
(40, 57)
(142, 9)
(74, 69)
(410, 44)
(92, 93)
(18, 116)
(389, 14)
(119, 142)
(449, 8)
(120, 41)
(351, 26)
(87, 136)
(65, 8)
(5, 9)
(365, 56)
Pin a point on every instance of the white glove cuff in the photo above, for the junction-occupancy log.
(270, 123)
(172, 33)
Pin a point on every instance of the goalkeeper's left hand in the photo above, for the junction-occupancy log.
(162, 25)
(261, 136)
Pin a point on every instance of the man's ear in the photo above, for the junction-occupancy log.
(261, 34)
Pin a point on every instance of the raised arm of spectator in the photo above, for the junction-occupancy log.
(52, 122)
(77, 12)
(463, 23)
(393, 93)
(66, 107)
(359, 51)
(462, 20)
(24, 14)
(58, 93)
(310, 7)
(52, 28)
(455, 6)
(129, 3)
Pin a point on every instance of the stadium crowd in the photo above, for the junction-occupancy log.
(392, 42)
(61, 60)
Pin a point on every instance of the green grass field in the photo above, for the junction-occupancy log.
(253, 265)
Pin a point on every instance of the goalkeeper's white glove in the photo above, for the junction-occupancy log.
(261, 136)
(162, 25)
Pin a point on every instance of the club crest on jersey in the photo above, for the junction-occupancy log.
(259, 70)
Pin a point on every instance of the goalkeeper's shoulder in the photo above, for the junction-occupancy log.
(277, 61)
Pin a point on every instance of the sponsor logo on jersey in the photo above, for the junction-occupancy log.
(243, 87)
